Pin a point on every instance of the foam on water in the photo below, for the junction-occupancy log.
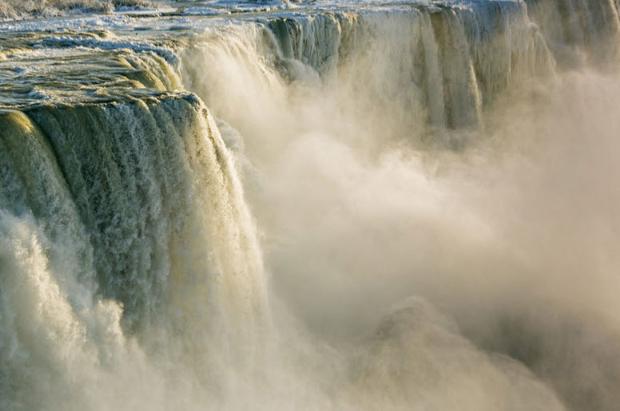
(430, 179)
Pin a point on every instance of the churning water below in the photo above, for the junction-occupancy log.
(347, 206)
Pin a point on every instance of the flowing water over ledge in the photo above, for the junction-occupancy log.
(326, 205)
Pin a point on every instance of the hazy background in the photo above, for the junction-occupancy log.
(507, 244)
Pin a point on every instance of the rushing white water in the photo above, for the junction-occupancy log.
(349, 118)
(129, 208)
(433, 183)
(48, 8)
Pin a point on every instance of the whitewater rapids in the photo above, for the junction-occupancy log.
(328, 205)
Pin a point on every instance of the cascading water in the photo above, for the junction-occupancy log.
(129, 207)
(438, 67)
(425, 176)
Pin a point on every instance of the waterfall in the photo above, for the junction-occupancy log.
(136, 152)
(127, 207)
(589, 27)
(428, 69)
(439, 65)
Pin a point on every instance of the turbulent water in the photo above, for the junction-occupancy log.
(328, 205)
